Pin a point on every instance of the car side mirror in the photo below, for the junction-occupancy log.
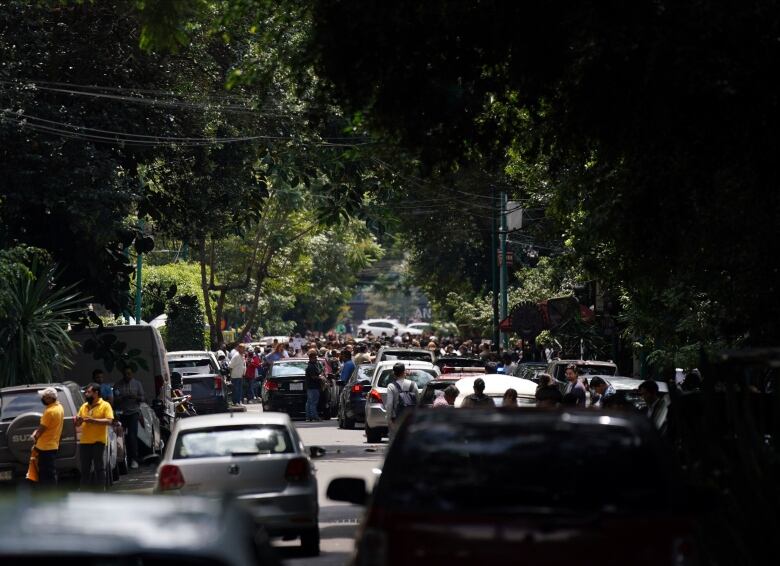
(349, 490)
(317, 451)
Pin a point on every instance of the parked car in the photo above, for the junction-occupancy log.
(257, 458)
(199, 376)
(533, 486)
(20, 415)
(380, 326)
(91, 529)
(530, 370)
(402, 353)
(141, 347)
(496, 385)
(417, 328)
(557, 368)
(352, 400)
(284, 389)
(377, 423)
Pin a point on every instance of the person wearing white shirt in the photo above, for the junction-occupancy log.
(237, 371)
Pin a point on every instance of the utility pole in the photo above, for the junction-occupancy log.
(138, 267)
(504, 269)
(493, 262)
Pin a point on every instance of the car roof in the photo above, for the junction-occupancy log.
(623, 383)
(410, 364)
(402, 348)
(227, 419)
(35, 387)
(586, 362)
(203, 526)
(188, 353)
(497, 383)
(534, 415)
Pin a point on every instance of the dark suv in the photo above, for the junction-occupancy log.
(20, 415)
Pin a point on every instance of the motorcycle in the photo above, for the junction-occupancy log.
(182, 405)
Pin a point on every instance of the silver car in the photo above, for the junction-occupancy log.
(257, 458)
(376, 413)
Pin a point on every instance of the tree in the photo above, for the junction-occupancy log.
(35, 311)
(185, 324)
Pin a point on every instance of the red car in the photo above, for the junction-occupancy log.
(523, 487)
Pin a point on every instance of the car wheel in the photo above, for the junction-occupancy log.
(310, 542)
(373, 436)
(340, 420)
(349, 423)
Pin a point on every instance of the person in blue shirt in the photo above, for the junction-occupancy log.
(348, 366)
(106, 389)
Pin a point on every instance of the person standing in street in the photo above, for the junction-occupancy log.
(575, 388)
(601, 392)
(313, 387)
(106, 389)
(348, 366)
(237, 371)
(402, 395)
(447, 399)
(128, 396)
(478, 400)
(94, 418)
(47, 437)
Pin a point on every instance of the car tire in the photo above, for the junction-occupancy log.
(310, 542)
(340, 421)
(121, 465)
(349, 424)
(373, 436)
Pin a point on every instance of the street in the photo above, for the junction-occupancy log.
(347, 454)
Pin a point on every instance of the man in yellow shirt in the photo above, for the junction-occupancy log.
(94, 418)
(47, 436)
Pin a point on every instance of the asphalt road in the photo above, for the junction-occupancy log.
(347, 454)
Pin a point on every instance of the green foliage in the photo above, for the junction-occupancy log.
(185, 324)
(106, 347)
(34, 316)
(163, 283)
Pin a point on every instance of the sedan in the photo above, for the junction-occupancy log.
(257, 458)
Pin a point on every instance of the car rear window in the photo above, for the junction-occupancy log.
(494, 467)
(15, 403)
(420, 376)
(177, 364)
(234, 440)
(289, 369)
(410, 356)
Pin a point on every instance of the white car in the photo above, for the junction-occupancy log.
(496, 385)
(379, 326)
(417, 328)
(258, 458)
(377, 424)
(192, 362)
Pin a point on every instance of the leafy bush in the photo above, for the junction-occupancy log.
(185, 324)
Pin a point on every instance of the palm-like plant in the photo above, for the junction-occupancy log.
(34, 339)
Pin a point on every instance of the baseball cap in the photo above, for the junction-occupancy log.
(48, 392)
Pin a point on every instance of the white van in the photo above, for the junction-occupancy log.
(139, 347)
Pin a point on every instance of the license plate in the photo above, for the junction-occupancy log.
(6, 475)
(186, 388)
(296, 387)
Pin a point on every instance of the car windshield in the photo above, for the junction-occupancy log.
(597, 369)
(13, 404)
(564, 466)
(235, 440)
(288, 369)
(420, 376)
(411, 356)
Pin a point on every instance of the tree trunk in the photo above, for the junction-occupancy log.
(215, 332)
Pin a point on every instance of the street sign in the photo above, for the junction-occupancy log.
(506, 324)
(510, 258)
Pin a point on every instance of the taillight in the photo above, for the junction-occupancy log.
(375, 397)
(218, 383)
(297, 469)
(270, 385)
(170, 477)
(357, 388)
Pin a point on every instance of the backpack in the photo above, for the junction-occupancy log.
(406, 400)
